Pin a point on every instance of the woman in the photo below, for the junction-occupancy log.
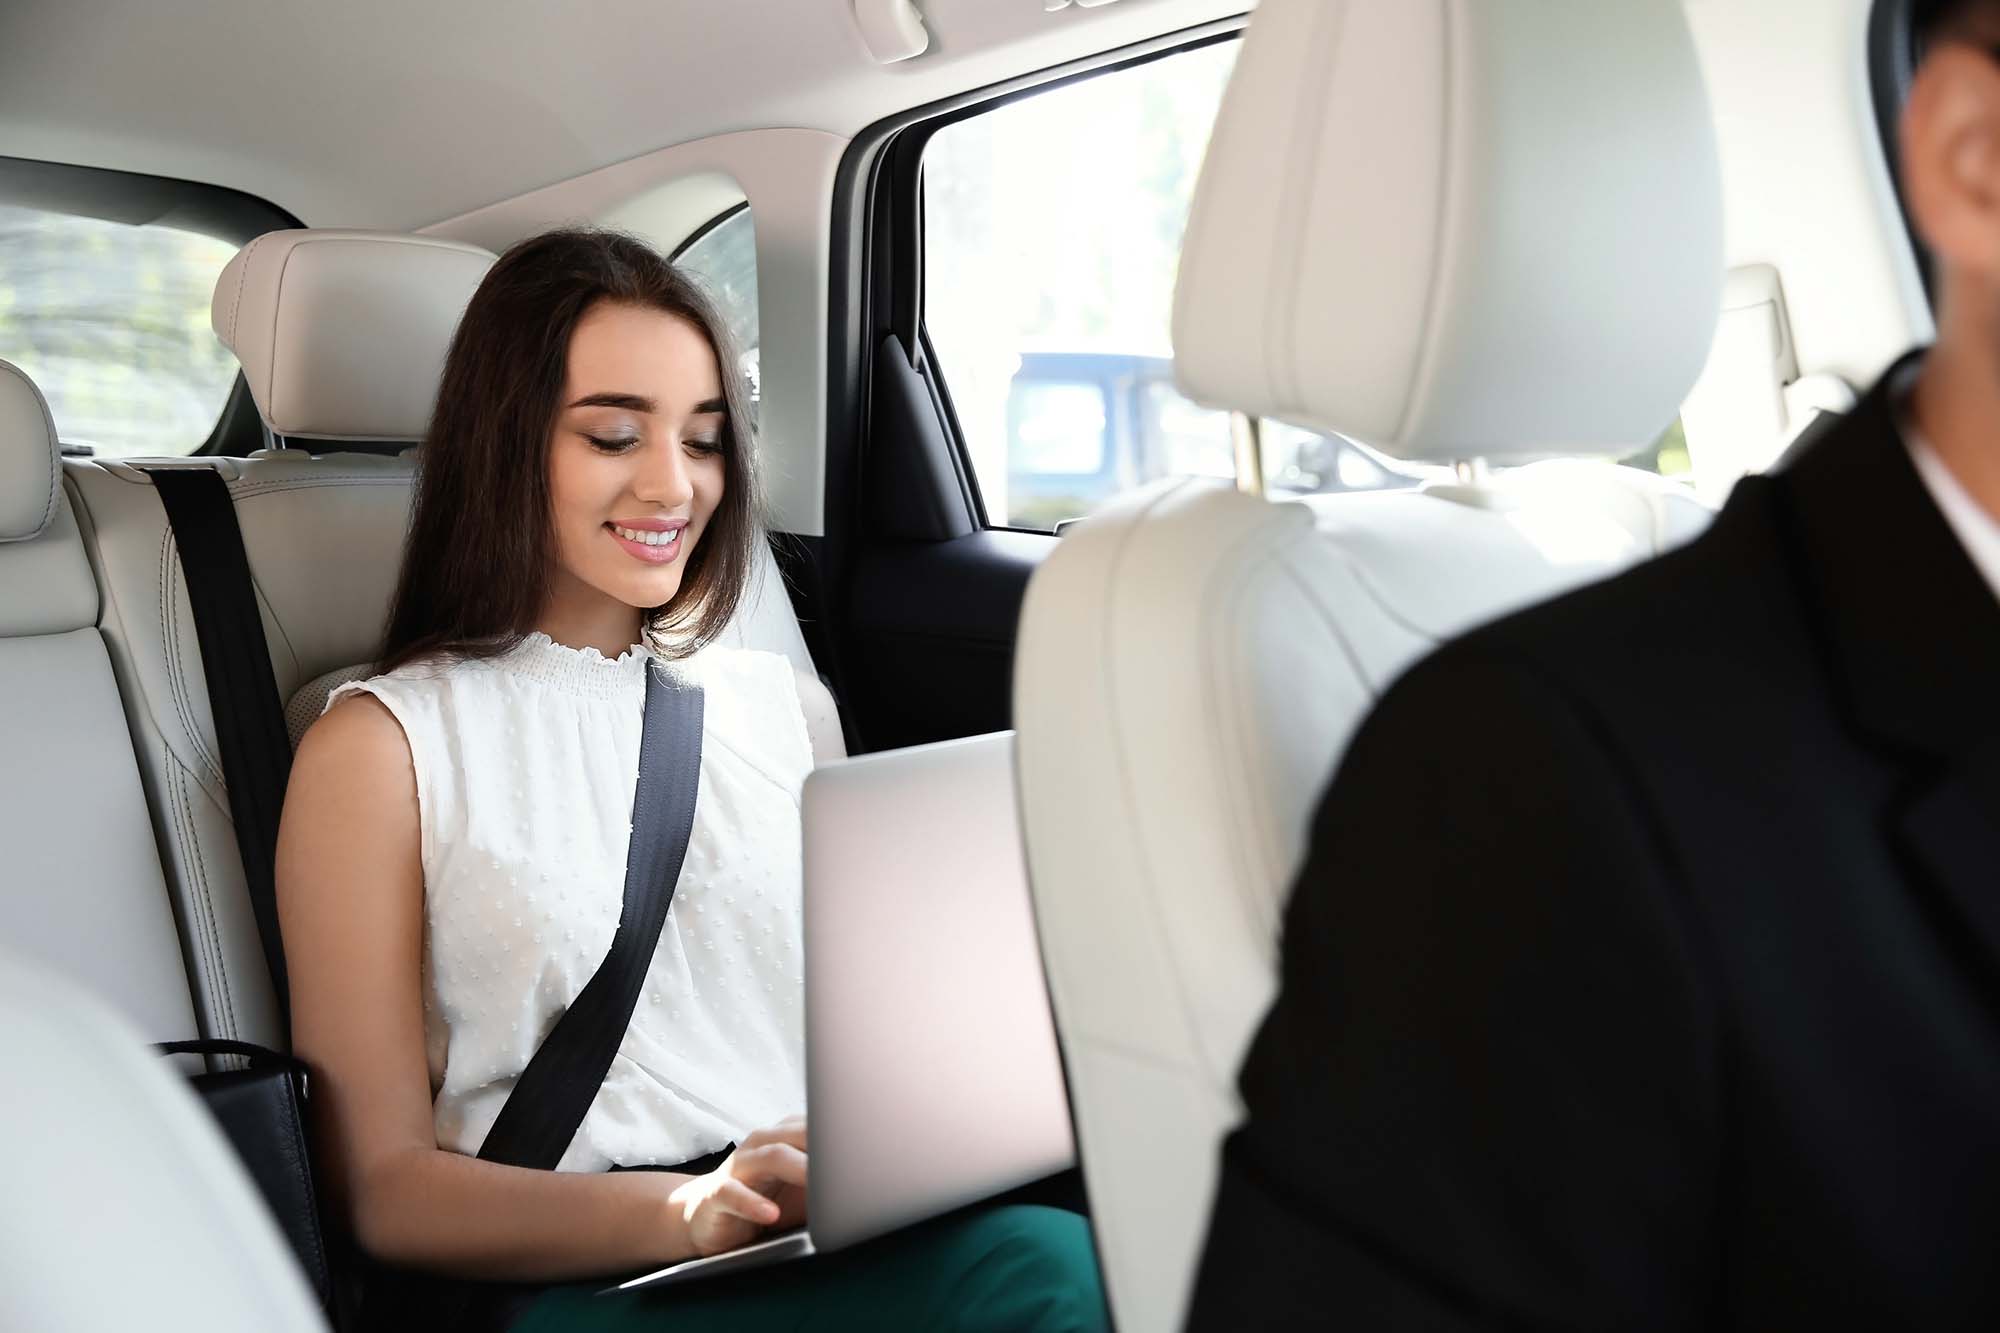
(451, 860)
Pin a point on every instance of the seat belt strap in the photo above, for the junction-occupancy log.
(555, 1091)
(250, 729)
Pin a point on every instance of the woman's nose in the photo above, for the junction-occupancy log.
(663, 476)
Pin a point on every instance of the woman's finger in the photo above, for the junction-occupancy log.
(739, 1200)
(773, 1163)
(792, 1132)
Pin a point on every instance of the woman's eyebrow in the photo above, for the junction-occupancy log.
(631, 402)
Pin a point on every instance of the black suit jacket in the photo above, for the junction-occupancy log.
(1644, 971)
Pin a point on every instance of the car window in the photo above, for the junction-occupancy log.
(1052, 235)
(111, 320)
(723, 256)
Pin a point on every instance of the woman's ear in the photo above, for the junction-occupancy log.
(1950, 142)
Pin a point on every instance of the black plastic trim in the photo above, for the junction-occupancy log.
(139, 200)
(700, 233)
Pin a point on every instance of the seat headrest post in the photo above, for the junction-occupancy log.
(1246, 433)
(342, 335)
(1457, 228)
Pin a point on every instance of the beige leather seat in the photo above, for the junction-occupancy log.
(1453, 231)
(342, 336)
(124, 1207)
(82, 888)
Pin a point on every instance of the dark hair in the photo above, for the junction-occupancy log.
(481, 547)
(1932, 21)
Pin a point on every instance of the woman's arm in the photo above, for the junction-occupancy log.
(350, 907)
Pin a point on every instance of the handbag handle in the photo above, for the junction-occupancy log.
(254, 1056)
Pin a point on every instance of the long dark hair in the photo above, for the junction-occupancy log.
(481, 548)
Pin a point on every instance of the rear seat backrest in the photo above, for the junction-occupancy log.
(323, 537)
(342, 336)
(83, 892)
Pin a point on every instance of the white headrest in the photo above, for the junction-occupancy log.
(1457, 228)
(342, 334)
(30, 458)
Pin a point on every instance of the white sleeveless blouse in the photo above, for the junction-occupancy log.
(525, 768)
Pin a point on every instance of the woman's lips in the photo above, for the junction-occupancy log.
(649, 544)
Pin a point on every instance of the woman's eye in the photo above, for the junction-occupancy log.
(704, 446)
(615, 444)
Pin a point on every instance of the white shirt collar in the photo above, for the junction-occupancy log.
(1977, 531)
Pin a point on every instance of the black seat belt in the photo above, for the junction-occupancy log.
(242, 692)
(550, 1099)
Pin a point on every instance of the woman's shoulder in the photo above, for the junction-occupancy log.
(395, 711)
(359, 737)
(753, 702)
(741, 670)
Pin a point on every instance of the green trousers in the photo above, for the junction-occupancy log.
(1019, 1267)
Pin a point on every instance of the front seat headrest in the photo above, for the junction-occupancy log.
(30, 458)
(1457, 229)
(342, 334)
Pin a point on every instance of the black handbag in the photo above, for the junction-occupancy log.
(260, 1109)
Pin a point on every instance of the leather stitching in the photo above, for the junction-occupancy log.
(55, 455)
(197, 877)
(1153, 910)
(264, 603)
(1220, 603)
(271, 364)
(176, 676)
(197, 932)
(242, 278)
(307, 483)
(1427, 352)
(1283, 296)
(170, 645)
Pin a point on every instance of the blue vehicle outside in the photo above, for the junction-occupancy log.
(1084, 426)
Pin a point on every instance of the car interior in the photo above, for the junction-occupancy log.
(1558, 273)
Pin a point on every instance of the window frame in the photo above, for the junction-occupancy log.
(701, 233)
(140, 199)
(875, 287)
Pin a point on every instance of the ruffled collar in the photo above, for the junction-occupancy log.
(583, 671)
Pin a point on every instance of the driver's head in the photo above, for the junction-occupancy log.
(1951, 159)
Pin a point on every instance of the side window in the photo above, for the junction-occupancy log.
(1052, 235)
(111, 320)
(723, 256)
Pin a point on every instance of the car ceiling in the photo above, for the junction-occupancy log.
(384, 113)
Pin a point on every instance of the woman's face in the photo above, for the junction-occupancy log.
(636, 464)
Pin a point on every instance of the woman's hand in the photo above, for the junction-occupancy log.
(759, 1187)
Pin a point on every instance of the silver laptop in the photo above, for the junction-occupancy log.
(932, 1077)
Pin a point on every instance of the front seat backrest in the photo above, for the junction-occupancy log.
(1453, 229)
(81, 883)
(125, 1208)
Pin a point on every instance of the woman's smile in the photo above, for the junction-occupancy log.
(654, 541)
